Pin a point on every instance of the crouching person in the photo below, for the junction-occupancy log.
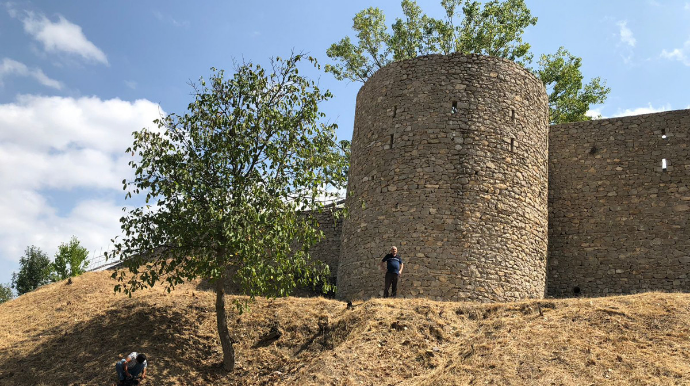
(131, 369)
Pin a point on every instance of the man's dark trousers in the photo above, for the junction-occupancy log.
(391, 278)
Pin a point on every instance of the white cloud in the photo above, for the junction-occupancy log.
(10, 67)
(67, 145)
(594, 113)
(680, 54)
(626, 34)
(64, 124)
(643, 110)
(61, 36)
(28, 219)
(169, 19)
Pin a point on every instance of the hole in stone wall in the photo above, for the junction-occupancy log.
(512, 144)
(454, 109)
(391, 143)
(576, 290)
(395, 111)
(593, 150)
(663, 164)
(663, 133)
(512, 115)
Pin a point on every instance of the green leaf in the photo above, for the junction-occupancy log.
(494, 28)
(230, 178)
(569, 100)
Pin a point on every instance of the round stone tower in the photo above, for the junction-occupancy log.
(449, 164)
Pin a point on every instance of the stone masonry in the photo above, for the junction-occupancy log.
(619, 222)
(449, 163)
(328, 249)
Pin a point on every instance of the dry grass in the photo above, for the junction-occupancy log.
(72, 334)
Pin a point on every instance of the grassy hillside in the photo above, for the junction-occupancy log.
(72, 334)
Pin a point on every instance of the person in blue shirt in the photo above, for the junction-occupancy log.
(131, 369)
(394, 267)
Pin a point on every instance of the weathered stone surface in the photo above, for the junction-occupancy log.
(327, 250)
(613, 208)
(449, 164)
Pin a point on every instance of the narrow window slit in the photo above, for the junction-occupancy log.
(395, 111)
(454, 109)
(512, 115)
(512, 144)
(663, 164)
(391, 143)
(663, 133)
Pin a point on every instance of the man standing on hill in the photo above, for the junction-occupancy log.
(394, 267)
(129, 368)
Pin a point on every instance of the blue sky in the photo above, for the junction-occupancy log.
(77, 77)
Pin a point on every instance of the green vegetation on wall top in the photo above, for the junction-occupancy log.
(494, 28)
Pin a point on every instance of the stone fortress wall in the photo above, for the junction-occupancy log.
(327, 250)
(619, 223)
(449, 163)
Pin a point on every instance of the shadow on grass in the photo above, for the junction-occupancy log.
(302, 291)
(86, 354)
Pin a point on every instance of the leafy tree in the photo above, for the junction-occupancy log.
(361, 61)
(34, 271)
(5, 293)
(70, 260)
(569, 100)
(415, 35)
(224, 184)
(494, 28)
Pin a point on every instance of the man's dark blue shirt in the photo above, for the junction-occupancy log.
(393, 263)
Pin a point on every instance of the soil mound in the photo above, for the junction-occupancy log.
(72, 334)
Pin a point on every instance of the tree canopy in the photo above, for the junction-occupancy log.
(569, 98)
(71, 260)
(5, 293)
(224, 183)
(34, 271)
(494, 28)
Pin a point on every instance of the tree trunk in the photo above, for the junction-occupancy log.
(223, 333)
